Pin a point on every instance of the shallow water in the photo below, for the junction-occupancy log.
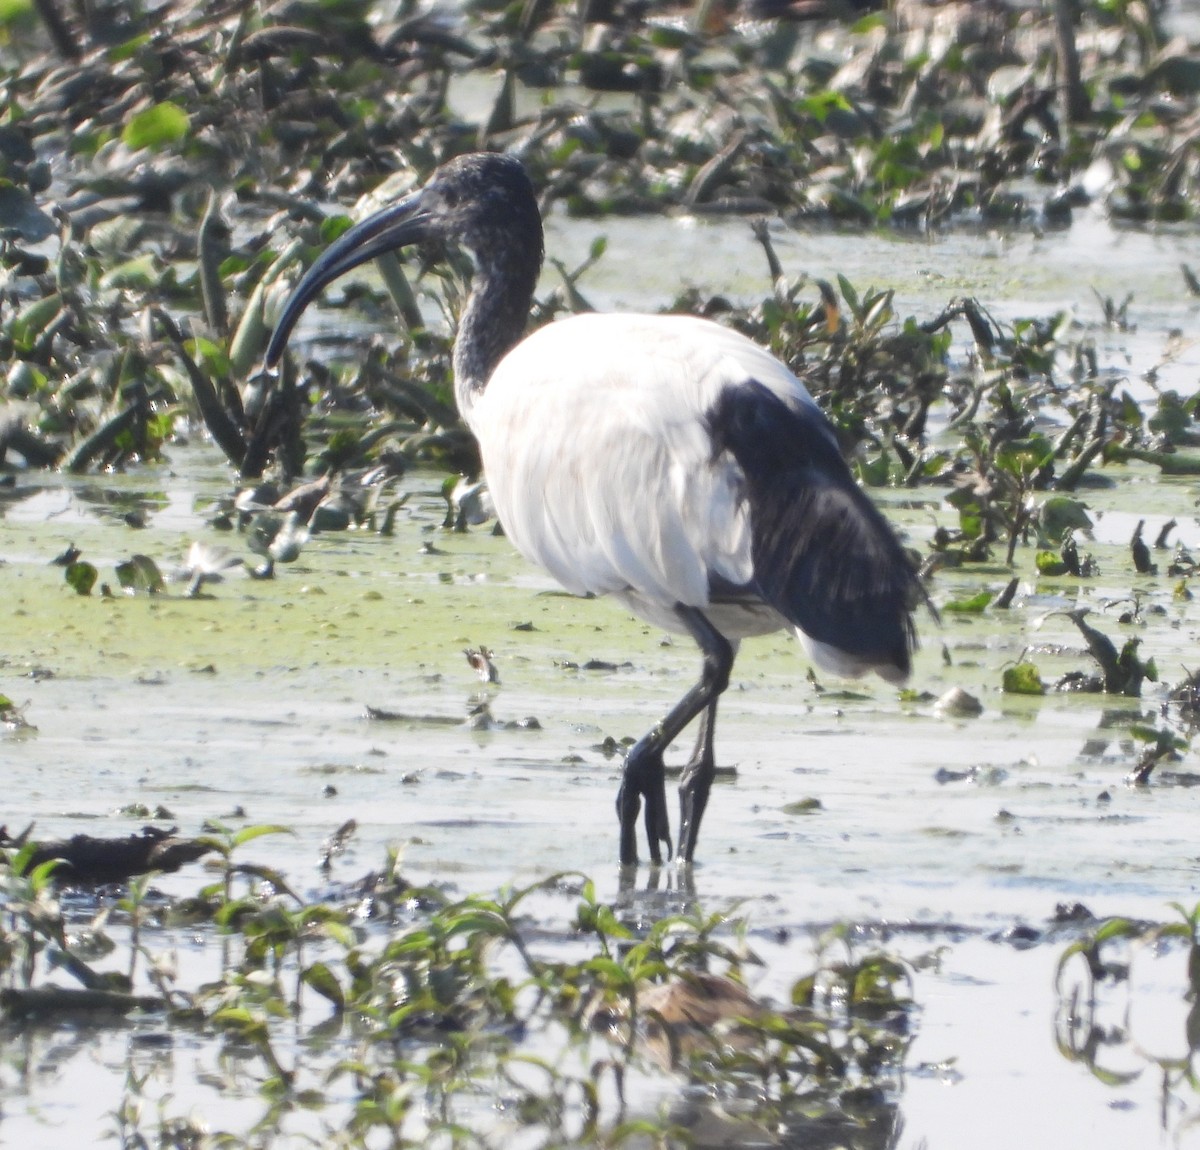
(938, 834)
(1012, 274)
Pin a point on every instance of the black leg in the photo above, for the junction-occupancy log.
(695, 784)
(643, 774)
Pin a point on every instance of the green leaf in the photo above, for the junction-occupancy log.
(157, 126)
(1130, 411)
(975, 605)
(608, 924)
(82, 577)
(849, 294)
(667, 37)
(19, 863)
(1060, 514)
(29, 323)
(40, 876)
(874, 472)
(869, 23)
(963, 498)
(15, 12)
(1122, 928)
(333, 226)
(324, 982)
(1049, 563)
(1114, 1077)
(1143, 733)
(821, 104)
(1023, 679)
(342, 934)
(878, 310)
(228, 914)
(479, 922)
(970, 524)
(803, 990)
(970, 514)
(236, 1016)
(255, 832)
(129, 49)
(608, 970)
(138, 274)
(1024, 456)
(140, 573)
(210, 354)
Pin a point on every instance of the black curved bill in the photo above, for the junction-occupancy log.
(393, 227)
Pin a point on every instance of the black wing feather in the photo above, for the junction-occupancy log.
(824, 556)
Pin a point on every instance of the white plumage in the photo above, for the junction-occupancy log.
(664, 460)
(617, 488)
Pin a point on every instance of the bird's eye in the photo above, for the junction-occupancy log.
(450, 197)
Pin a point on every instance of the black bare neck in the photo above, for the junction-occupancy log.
(508, 259)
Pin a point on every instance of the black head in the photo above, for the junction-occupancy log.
(483, 201)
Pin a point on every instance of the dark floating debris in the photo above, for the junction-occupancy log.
(1160, 542)
(1122, 671)
(89, 861)
(23, 1003)
(1142, 563)
(382, 715)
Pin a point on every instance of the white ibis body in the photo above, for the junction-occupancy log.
(664, 460)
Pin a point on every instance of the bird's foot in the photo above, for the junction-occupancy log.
(644, 776)
(658, 822)
(694, 786)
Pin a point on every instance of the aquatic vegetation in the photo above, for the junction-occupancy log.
(1100, 985)
(399, 1011)
(192, 154)
(165, 176)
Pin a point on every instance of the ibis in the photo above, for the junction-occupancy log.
(667, 461)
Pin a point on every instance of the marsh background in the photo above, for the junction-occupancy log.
(962, 913)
